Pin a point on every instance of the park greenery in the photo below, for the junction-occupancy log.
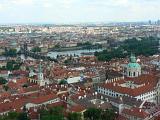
(74, 116)
(145, 46)
(57, 46)
(63, 82)
(2, 81)
(5, 87)
(11, 65)
(15, 116)
(36, 49)
(99, 114)
(57, 113)
(10, 52)
(88, 45)
(80, 46)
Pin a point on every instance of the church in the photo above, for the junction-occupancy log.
(134, 84)
(133, 68)
(38, 78)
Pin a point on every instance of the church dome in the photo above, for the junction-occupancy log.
(133, 68)
(133, 65)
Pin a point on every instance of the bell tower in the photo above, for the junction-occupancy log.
(40, 75)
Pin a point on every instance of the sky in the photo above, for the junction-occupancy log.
(78, 11)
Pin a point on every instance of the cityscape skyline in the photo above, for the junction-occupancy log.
(79, 60)
(77, 11)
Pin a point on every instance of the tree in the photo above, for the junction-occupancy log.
(36, 49)
(74, 116)
(9, 65)
(108, 114)
(25, 85)
(62, 82)
(146, 46)
(2, 81)
(5, 87)
(23, 116)
(13, 65)
(52, 117)
(55, 113)
(99, 114)
(12, 115)
(57, 46)
(93, 114)
(10, 52)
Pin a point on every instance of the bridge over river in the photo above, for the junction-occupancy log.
(24, 50)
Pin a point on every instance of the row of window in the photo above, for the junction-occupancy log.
(109, 92)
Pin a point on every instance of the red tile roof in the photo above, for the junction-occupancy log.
(136, 112)
(45, 98)
(149, 82)
(15, 105)
(77, 108)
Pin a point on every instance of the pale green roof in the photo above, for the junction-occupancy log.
(133, 65)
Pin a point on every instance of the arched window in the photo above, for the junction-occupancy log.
(129, 73)
(134, 74)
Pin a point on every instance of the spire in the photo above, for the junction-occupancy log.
(133, 58)
(40, 68)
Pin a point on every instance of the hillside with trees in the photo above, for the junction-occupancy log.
(145, 46)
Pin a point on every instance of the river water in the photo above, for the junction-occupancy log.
(73, 52)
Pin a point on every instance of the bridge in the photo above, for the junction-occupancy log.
(24, 50)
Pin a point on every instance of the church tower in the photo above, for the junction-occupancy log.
(133, 68)
(40, 75)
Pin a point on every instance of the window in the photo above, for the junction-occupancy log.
(134, 74)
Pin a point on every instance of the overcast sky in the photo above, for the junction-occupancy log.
(78, 11)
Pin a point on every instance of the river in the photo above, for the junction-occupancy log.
(73, 52)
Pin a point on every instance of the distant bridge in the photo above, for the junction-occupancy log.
(24, 50)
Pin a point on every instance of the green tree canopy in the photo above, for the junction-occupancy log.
(2, 81)
(62, 82)
(146, 46)
(11, 52)
(36, 49)
(55, 113)
(23, 116)
(74, 116)
(92, 114)
(99, 114)
(13, 65)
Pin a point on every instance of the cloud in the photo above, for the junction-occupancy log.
(23, 2)
(78, 10)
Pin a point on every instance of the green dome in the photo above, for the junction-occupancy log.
(133, 65)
